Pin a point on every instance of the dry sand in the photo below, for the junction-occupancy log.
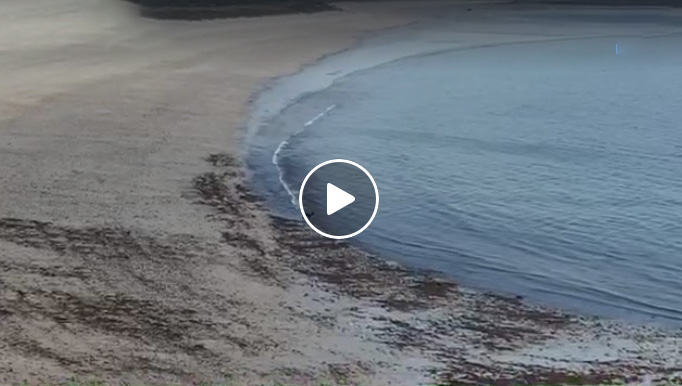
(131, 248)
(109, 265)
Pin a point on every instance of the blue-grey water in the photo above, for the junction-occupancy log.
(549, 170)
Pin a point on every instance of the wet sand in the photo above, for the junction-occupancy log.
(131, 248)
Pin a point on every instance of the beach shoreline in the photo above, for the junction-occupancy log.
(133, 250)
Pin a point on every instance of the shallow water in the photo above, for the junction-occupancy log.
(548, 170)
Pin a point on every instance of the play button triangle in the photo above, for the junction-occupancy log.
(337, 199)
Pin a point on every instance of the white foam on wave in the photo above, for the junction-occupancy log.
(320, 115)
(283, 144)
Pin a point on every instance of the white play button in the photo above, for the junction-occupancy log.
(337, 199)
(342, 183)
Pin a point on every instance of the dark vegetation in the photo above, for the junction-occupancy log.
(213, 9)
(210, 3)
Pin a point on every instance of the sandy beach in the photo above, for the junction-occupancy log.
(131, 248)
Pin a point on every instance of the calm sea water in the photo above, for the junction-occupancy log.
(548, 170)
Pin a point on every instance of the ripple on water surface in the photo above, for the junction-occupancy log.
(549, 170)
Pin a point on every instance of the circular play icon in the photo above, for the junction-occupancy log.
(338, 199)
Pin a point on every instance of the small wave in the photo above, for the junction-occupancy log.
(283, 144)
(275, 161)
(318, 116)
